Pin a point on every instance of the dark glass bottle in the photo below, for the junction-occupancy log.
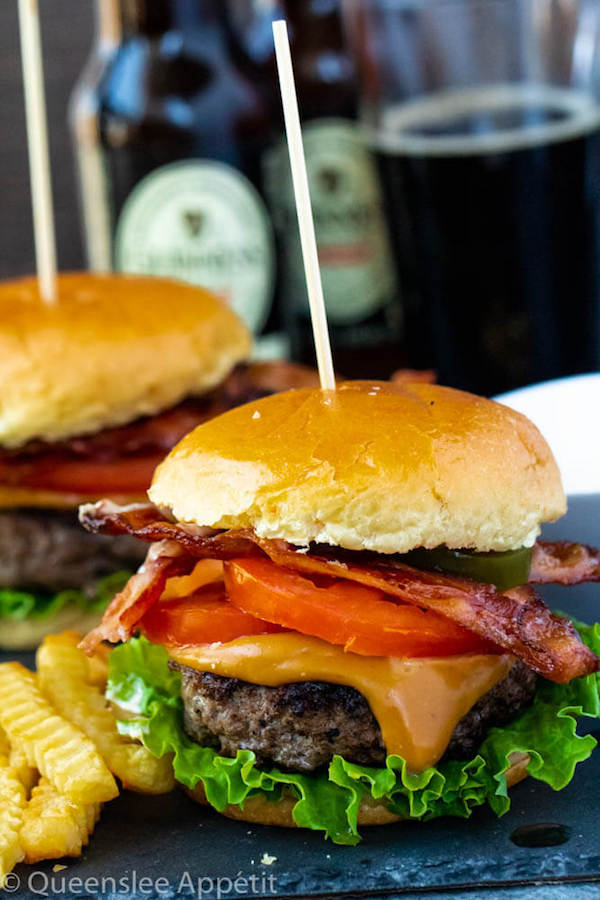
(181, 134)
(360, 289)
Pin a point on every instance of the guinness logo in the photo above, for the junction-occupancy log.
(330, 180)
(193, 221)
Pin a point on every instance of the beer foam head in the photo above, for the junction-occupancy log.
(476, 120)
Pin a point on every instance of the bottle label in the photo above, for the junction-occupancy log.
(354, 250)
(203, 222)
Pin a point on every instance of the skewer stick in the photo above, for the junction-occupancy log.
(37, 140)
(303, 206)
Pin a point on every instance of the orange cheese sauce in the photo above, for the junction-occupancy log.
(417, 702)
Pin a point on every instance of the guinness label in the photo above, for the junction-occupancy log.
(203, 222)
(354, 252)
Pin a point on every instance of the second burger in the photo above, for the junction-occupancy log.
(95, 391)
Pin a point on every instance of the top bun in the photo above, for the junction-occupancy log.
(372, 466)
(111, 349)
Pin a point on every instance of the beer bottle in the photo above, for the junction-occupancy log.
(84, 122)
(359, 284)
(177, 134)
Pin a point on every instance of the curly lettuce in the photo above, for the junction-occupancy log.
(17, 605)
(141, 683)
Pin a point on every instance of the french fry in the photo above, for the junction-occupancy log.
(60, 752)
(27, 774)
(4, 743)
(12, 804)
(97, 665)
(62, 672)
(54, 827)
(92, 812)
(18, 761)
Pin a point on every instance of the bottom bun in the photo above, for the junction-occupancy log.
(29, 633)
(261, 811)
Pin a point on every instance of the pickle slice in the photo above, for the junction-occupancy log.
(504, 570)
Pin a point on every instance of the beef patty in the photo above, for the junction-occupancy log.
(301, 726)
(49, 549)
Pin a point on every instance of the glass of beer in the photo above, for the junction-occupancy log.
(484, 116)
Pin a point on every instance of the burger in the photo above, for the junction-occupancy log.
(336, 623)
(95, 391)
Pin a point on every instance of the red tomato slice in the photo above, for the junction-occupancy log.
(359, 618)
(87, 477)
(203, 617)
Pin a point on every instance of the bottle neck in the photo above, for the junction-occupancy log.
(325, 77)
(315, 26)
(108, 22)
(148, 17)
(154, 18)
(301, 11)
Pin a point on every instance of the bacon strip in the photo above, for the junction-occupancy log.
(517, 620)
(165, 559)
(410, 376)
(563, 562)
(144, 521)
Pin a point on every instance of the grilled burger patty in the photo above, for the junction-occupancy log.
(49, 549)
(301, 726)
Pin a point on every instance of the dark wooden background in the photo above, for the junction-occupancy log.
(67, 27)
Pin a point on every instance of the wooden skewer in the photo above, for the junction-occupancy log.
(303, 205)
(37, 140)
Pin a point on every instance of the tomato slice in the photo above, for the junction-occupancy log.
(361, 619)
(78, 476)
(204, 617)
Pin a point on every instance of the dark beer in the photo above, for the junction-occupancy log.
(493, 196)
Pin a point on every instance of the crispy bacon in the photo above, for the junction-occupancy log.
(144, 521)
(563, 562)
(517, 620)
(269, 377)
(154, 434)
(165, 559)
(410, 376)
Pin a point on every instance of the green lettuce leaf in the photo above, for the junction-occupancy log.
(141, 683)
(19, 605)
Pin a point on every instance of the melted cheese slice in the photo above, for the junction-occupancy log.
(417, 702)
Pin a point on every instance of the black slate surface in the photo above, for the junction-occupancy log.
(191, 848)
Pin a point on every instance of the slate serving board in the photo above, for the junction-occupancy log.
(182, 850)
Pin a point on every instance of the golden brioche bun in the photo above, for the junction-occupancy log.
(372, 466)
(259, 810)
(112, 348)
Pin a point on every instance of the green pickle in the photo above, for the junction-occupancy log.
(504, 570)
